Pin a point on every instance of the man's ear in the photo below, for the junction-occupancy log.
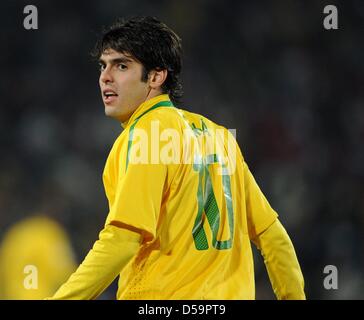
(157, 78)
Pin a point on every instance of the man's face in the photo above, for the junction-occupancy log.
(121, 86)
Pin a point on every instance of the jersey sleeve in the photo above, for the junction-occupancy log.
(140, 185)
(260, 214)
(110, 254)
(138, 197)
(281, 262)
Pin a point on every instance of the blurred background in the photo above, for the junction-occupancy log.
(293, 91)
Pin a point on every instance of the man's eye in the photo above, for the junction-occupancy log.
(122, 66)
(101, 67)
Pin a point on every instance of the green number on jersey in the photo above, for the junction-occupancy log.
(207, 205)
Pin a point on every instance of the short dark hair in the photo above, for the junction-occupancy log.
(150, 42)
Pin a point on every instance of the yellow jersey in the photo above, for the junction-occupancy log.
(181, 181)
(36, 257)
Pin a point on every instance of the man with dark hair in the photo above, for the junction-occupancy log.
(183, 204)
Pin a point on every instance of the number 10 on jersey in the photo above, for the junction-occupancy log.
(207, 205)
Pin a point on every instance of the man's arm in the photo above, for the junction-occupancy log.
(109, 255)
(281, 262)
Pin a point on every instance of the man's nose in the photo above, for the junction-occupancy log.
(106, 76)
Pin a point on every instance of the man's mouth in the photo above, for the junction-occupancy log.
(109, 96)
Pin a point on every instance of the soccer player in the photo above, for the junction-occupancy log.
(183, 205)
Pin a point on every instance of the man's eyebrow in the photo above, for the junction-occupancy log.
(116, 60)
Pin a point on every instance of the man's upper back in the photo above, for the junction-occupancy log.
(194, 211)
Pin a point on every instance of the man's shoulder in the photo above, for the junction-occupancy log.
(179, 119)
(166, 117)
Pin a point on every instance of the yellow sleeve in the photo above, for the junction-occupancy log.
(281, 262)
(260, 214)
(140, 185)
(109, 255)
